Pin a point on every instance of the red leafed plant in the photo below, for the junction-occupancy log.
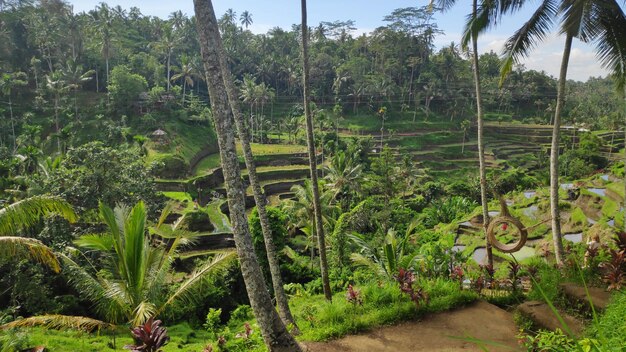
(457, 274)
(614, 270)
(149, 337)
(406, 278)
(354, 296)
(247, 332)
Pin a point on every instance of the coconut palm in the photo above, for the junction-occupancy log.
(26, 213)
(302, 207)
(259, 197)
(321, 239)
(75, 76)
(187, 74)
(479, 19)
(601, 22)
(131, 287)
(344, 177)
(273, 330)
(8, 82)
(465, 126)
(246, 19)
(104, 24)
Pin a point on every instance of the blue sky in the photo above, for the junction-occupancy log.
(368, 15)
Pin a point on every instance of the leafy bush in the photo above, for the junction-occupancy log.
(241, 314)
(447, 210)
(197, 220)
(170, 166)
(212, 321)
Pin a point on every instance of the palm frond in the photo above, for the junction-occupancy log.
(361, 260)
(611, 42)
(300, 260)
(143, 312)
(578, 19)
(527, 37)
(218, 262)
(25, 213)
(59, 322)
(30, 248)
(97, 242)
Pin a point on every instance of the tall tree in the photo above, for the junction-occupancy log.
(471, 32)
(246, 19)
(8, 82)
(259, 196)
(274, 332)
(319, 227)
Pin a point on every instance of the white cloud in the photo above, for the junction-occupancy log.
(545, 57)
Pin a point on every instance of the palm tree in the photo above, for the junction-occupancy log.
(471, 32)
(273, 330)
(76, 77)
(248, 95)
(166, 45)
(321, 239)
(9, 81)
(601, 22)
(24, 214)
(259, 197)
(187, 74)
(131, 287)
(105, 27)
(302, 208)
(465, 126)
(343, 177)
(245, 18)
(57, 87)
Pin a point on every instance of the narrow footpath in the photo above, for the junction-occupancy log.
(436, 332)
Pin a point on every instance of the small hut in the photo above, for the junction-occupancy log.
(159, 137)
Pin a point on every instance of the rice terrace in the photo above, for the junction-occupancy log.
(312, 176)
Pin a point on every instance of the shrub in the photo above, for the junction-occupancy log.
(197, 220)
(171, 166)
(212, 321)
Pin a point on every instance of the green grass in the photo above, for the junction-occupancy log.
(182, 338)
(218, 219)
(269, 149)
(185, 140)
(610, 208)
(179, 196)
(320, 320)
(207, 164)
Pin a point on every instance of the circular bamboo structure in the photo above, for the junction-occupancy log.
(510, 221)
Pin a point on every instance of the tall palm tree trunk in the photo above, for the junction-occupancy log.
(319, 227)
(274, 332)
(259, 199)
(481, 142)
(554, 154)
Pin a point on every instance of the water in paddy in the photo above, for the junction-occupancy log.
(530, 211)
(599, 191)
(458, 248)
(480, 255)
(529, 194)
(574, 237)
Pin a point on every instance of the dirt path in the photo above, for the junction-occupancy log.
(480, 320)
